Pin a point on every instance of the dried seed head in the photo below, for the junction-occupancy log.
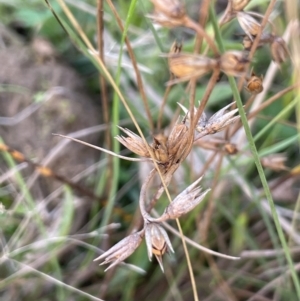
(168, 13)
(250, 26)
(254, 84)
(185, 201)
(275, 162)
(121, 250)
(238, 5)
(264, 39)
(231, 149)
(233, 63)
(187, 66)
(178, 142)
(170, 8)
(216, 123)
(157, 241)
(134, 143)
(160, 149)
(279, 50)
(165, 20)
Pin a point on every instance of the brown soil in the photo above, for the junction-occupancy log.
(68, 108)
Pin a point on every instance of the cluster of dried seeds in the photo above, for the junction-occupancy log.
(168, 152)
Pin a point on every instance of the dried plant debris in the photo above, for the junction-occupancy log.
(167, 152)
(216, 123)
(254, 84)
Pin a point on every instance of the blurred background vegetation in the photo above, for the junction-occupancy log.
(53, 223)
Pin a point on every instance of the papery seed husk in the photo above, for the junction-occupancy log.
(160, 149)
(166, 21)
(279, 50)
(233, 63)
(171, 8)
(250, 26)
(178, 141)
(190, 65)
(254, 84)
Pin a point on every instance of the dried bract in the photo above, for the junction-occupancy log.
(178, 141)
(166, 21)
(160, 148)
(187, 66)
(171, 8)
(275, 162)
(250, 26)
(254, 84)
(168, 13)
(134, 143)
(121, 250)
(185, 201)
(157, 241)
(279, 50)
(233, 63)
(264, 39)
(216, 123)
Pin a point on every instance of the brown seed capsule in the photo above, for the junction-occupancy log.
(186, 201)
(275, 162)
(121, 250)
(233, 63)
(279, 50)
(157, 242)
(250, 26)
(254, 84)
(134, 143)
(187, 66)
(160, 150)
(165, 20)
(264, 39)
(170, 8)
(178, 142)
(230, 148)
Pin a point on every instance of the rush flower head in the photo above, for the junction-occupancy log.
(264, 39)
(275, 162)
(250, 26)
(216, 123)
(186, 66)
(178, 141)
(279, 50)
(121, 250)
(134, 143)
(233, 62)
(157, 241)
(186, 201)
(168, 13)
(170, 8)
(254, 84)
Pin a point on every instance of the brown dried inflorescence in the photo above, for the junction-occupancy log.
(254, 84)
(234, 63)
(250, 26)
(186, 66)
(121, 250)
(166, 151)
(168, 13)
(216, 123)
(157, 242)
(279, 50)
